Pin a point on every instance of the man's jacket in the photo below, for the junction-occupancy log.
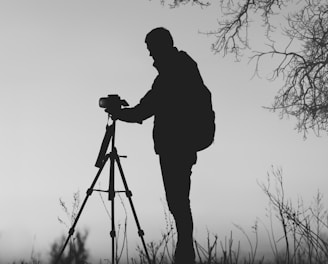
(172, 101)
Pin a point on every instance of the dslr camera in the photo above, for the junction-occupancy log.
(112, 103)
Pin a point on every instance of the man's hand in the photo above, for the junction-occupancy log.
(113, 112)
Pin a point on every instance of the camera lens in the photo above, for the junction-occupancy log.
(103, 102)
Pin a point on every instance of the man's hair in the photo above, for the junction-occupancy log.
(160, 37)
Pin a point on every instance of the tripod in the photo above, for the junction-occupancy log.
(100, 163)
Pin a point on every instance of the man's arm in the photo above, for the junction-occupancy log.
(140, 112)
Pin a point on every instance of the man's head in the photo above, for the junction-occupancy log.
(159, 42)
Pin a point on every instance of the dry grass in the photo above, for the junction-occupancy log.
(303, 241)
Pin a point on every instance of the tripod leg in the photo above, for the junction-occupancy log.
(88, 193)
(129, 196)
(111, 197)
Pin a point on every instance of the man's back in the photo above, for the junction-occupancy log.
(173, 98)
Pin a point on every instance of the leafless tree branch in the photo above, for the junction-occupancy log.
(305, 90)
(303, 63)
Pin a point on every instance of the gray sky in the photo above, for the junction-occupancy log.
(59, 57)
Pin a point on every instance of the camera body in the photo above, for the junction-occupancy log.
(112, 103)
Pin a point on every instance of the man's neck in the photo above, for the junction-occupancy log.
(165, 62)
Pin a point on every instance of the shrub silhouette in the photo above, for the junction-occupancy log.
(76, 251)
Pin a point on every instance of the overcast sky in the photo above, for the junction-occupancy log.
(59, 57)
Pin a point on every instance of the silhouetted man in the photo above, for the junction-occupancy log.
(172, 101)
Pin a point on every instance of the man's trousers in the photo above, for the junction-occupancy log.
(176, 172)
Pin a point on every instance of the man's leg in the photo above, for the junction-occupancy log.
(176, 172)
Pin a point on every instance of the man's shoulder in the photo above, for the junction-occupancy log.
(185, 58)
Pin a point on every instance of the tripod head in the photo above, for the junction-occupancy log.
(112, 104)
(109, 134)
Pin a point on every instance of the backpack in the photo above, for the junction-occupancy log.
(204, 129)
(194, 122)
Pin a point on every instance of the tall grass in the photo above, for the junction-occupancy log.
(304, 238)
(304, 227)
